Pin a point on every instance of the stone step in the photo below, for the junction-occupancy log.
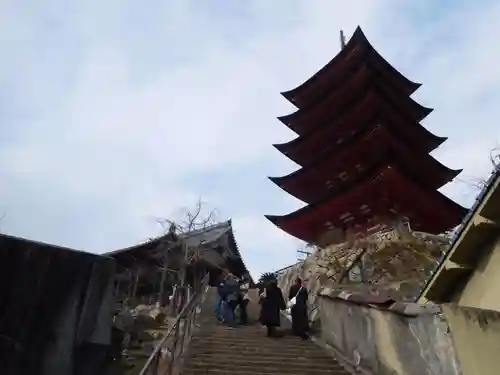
(238, 333)
(246, 350)
(285, 355)
(285, 352)
(238, 370)
(257, 341)
(243, 362)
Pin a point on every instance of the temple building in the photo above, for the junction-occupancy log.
(364, 157)
(150, 271)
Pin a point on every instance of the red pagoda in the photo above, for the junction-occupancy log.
(363, 154)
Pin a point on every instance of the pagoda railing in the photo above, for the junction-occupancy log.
(168, 356)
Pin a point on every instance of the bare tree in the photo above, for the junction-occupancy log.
(395, 256)
(474, 182)
(495, 157)
(478, 183)
(190, 219)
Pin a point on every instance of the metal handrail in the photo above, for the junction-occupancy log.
(177, 335)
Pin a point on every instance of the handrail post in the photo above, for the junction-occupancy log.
(155, 365)
(177, 335)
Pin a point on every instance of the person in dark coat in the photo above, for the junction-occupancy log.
(300, 318)
(221, 298)
(232, 291)
(272, 302)
(243, 299)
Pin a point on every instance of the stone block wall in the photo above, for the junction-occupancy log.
(395, 263)
(411, 339)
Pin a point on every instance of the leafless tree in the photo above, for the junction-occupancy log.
(475, 183)
(479, 183)
(397, 257)
(495, 157)
(190, 219)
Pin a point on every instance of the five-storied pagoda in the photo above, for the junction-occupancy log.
(363, 154)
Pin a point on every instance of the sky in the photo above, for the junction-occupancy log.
(115, 113)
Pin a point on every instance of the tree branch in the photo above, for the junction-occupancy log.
(495, 157)
(190, 219)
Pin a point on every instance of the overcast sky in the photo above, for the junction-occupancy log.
(115, 112)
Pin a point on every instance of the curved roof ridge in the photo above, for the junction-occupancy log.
(364, 178)
(366, 132)
(382, 105)
(357, 38)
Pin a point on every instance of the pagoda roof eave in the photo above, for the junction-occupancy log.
(275, 219)
(299, 124)
(448, 212)
(283, 181)
(358, 38)
(287, 149)
(363, 76)
(290, 148)
(345, 147)
(368, 175)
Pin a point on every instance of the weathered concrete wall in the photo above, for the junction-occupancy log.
(385, 342)
(411, 339)
(483, 289)
(476, 335)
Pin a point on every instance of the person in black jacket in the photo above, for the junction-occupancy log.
(231, 292)
(300, 319)
(221, 298)
(272, 302)
(243, 298)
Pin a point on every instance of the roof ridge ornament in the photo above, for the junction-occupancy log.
(342, 39)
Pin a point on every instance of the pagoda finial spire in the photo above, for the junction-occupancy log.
(342, 39)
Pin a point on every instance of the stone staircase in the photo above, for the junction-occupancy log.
(245, 350)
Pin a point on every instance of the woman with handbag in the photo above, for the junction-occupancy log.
(297, 303)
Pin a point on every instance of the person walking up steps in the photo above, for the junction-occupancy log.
(243, 299)
(221, 298)
(272, 302)
(232, 290)
(300, 319)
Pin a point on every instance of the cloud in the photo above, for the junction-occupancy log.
(112, 114)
